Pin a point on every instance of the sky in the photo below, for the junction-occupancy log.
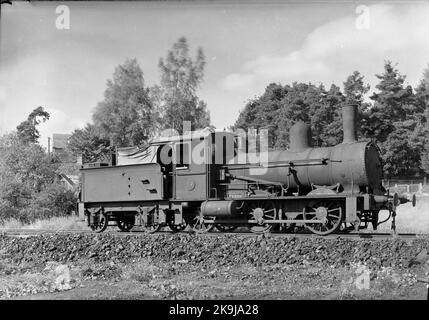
(247, 44)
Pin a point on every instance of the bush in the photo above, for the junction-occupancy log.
(15, 193)
(57, 198)
(28, 186)
(54, 201)
(32, 213)
(7, 211)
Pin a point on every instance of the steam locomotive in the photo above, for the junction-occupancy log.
(207, 180)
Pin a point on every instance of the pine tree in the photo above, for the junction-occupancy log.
(392, 121)
(390, 103)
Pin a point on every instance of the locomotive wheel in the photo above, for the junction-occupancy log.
(199, 226)
(102, 224)
(177, 227)
(225, 227)
(126, 224)
(262, 211)
(330, 212)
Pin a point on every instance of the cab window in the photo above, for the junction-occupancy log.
(182, 155)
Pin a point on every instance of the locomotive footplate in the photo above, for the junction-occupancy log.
(263, 221)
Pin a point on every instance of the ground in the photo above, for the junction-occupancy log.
(182, 266)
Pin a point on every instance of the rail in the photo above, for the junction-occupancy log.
(352, 235)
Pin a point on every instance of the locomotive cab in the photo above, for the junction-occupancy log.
(192, 162)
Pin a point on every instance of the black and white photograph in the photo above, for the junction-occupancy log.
(225, 152)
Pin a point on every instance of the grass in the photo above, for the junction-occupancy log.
(408, 219)
(55, 223)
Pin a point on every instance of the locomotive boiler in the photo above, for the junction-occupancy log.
(349, 167)
(211, 179)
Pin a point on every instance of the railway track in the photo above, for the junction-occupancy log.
(354, 236)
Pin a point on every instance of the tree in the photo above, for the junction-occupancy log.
(313, 105)
(27, 177)
(27, 130)
(262, 112)
(392, 121)
(28, 163)
(421, 133)
(397, 119)
(401, 157)
(125, 115)
(155, 96)
(390, 103)
(425, 160)
(422, 90)
(280, 107)
(88, 143)
(292, 108)
(325, 115)
(180, 78)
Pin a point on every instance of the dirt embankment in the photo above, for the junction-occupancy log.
(216, 266)
(215, 249)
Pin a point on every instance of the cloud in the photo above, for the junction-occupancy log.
(334, 50)
(59, 122)
(37, 81)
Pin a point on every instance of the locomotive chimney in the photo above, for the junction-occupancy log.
(299, 137)
(349, 123)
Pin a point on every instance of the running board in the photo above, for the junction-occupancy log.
(264, 221)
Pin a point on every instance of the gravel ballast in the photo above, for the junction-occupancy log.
(212, 250)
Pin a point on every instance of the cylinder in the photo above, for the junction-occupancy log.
(349, 123)
(300, 137)
(219, 208)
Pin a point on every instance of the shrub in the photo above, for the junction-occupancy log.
(28, 187)
(7, 211)
(57, 198)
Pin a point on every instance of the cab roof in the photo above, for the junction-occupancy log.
(198, 134)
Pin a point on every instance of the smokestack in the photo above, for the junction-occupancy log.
(299, 137)
(349, 123)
